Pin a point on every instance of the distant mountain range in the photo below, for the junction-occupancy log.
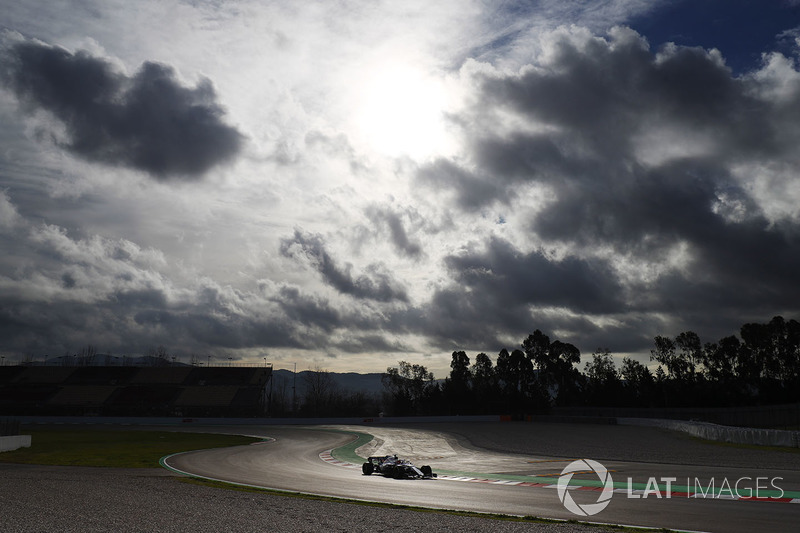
(346, 381)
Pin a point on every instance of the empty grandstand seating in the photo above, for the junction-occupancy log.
(101, 375)
(47, 374)
(30, 399)
(223, 376)
(10, 373)
(218, 396)
(134, 391)
(175, 375)
(79, 395)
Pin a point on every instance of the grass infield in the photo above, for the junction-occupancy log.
(113, 448)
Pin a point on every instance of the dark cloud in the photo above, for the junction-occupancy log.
(575, 125)
(308, 310)
(199, 328)
(456, 318)
(139, 299)
(502, 274)
(132, 323)
(148, 122)
(496, 291)
(319, 325)
(110, 293)
(377, 285)
(595, 99)
(370, 343)
(470, 190)
(603, 94)
(124, 299)
(393, 222)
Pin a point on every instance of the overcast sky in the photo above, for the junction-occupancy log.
(348, 184)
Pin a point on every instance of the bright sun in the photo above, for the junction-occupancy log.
(401, 113)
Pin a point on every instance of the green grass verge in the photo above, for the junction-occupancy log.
(113, 448)
(348, 451)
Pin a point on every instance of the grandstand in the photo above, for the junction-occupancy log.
(179, 390)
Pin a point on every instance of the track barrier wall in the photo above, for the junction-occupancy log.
(709, 431)
(14, 442)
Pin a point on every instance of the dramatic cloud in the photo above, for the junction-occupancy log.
(61, 293)
(377, 285)
(500, 289)
(147, 122)
(642, 160)
(417, 179)
(394, 224)
(510, 278)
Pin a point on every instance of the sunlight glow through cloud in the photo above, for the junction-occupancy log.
(402, 112)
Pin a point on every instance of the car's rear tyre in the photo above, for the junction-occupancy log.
(367, 468)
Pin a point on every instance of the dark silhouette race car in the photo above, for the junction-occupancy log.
(391, 466)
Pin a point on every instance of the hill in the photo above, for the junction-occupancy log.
(346, 381)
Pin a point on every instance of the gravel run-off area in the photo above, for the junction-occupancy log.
(84, 499)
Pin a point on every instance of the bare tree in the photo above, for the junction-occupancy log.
(159, 356)
(279, 402)
(87, 354)
(319, 389)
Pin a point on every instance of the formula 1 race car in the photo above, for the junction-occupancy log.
(391, 466)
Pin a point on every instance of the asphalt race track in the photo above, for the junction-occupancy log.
(293, 462)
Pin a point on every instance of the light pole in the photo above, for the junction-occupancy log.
(294, 389)
(267, 395)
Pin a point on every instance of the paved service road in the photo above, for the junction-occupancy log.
(292, 462)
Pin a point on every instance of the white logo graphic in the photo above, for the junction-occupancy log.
(586, 509)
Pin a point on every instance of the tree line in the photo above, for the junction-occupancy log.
(761, 366)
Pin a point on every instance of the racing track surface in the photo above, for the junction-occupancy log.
(292, 462)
